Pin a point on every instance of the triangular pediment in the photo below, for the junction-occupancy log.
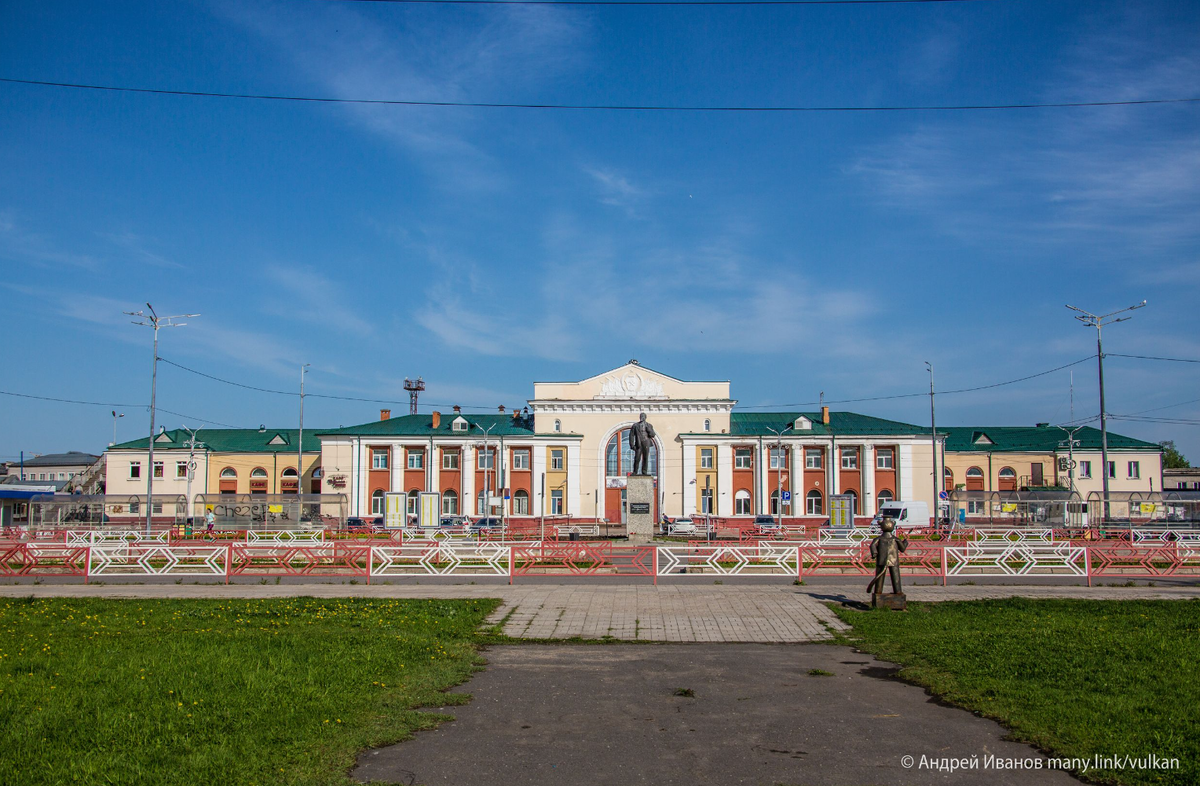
(163, 437)
(278, 439)
(979, 438)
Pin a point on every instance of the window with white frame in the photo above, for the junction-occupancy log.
(882, 498)
(812, 459)
(742, 458)
(450, 459)
(480, 504)
(377, 502)
(707, 424)
(487, 459)
(521, 503)
(778, 458)
(1085, 469)
(556, 459)
(413, 502)
(976, 507)
(416, 459)
(849, 458)
(556, 502)
(812, 503)
(884, 459)
(520, 459)
(741, 503)
(1135, 470)
(181, 469)
(775, 502)
(449, 502)
(706, 458)
(706, 501)
(1112, 469)
(135, 470)
(557, 425)
(379, 459)
(158, 469)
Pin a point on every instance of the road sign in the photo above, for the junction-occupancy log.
(943, 495)
(787, 496)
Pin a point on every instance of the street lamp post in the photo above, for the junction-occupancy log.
(779, 472)
(300, 447)
(937, 481)
(487, 488)
(191, 466)
(155, 321)
(1099, 321)
(115, 415)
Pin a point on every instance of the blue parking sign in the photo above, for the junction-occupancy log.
(787, 496)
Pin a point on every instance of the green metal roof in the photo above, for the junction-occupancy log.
(422, 426)
(1031, 439)
(232, 440)
(756, 424)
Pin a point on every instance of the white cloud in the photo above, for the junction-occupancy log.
(22, 245)
(303, 293)
(135, 247)
(616, 189)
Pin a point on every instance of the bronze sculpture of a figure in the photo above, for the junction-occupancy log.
(886, 550)
(641, 439)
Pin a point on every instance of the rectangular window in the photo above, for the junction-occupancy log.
(849, 458)
(706, 458)
(976, 507)
(1135, 470)
(487, 459)
(741, 458)
(812, 459)
(379, 459)
(778, 458)
(556, 459)
(1112, 469)
(158, 469)
(450, 459)
(556, 502)
(706, 501)
(157, 508)
(181, 469)
(1085, 469)
(416, 459)
(883, 459)
(520, 459)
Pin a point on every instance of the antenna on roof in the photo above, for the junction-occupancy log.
(414, 389)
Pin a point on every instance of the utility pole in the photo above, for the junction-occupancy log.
(937, 481)
(191, 466)
(300, 447)
(155, 321)
(115, 416)
(1099, 321)
(491, 460)
(779, 471)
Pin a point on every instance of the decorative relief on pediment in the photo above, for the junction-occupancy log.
(630, 385)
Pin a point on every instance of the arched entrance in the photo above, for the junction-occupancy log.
(618, 463)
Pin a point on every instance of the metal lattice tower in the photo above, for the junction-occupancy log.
(414, 389)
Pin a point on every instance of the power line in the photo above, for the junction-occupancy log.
(1150, 357)
(71, 400)
(599, 107)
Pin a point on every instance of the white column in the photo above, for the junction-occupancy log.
(435, 469)
(689, 479)
(764, 471)
(904, 467)
(724, 480)
(396, 469)
(466, 463)
(354, 484)
(538, 463)
(796, 482)
(835, 469)
(868, 480)
(574, 473)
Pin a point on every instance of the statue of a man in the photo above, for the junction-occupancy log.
(641, 439)
(886, 550)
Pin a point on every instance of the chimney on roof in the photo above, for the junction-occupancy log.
(1043, 425)
(457, 409)
(384, 414)
(516, 413)
(825, 415)
(437, 418)
(502, 409)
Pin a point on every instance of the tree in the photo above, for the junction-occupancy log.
(1172, 458)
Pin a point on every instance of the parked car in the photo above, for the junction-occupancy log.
(682, 526)
(490, 524)
(455, 521)
(914, 513)
(765, 522)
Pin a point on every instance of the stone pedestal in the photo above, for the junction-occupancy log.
(895, 601)
(639, 518)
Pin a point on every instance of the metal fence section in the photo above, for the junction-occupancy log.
(1016, 559)
(43, 559)
(582, 559)
(157, 560)
(704, 559)
(440, 559)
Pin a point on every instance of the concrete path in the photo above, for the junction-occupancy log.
(610, 715)
(768, 613)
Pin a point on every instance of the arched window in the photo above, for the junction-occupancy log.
(229, 473)
(557, 425)
(521, 503)
(853, 502)
(258, 481)
(618, 456)
(741, 503)
(974, 472)
(1008, 479)
(813, 504)
(288, 482)
(948, 475)
(449, 503)
(413, 498)
(974, 479)
(377, 502)
(883, 498)
(317, 473)
(1008, 472)
(775, 502)
(707, 424)
(288, 472)
(257, 472)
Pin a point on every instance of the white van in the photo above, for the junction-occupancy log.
(905, 514)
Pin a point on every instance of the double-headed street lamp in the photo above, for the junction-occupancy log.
(1098, 322)
(779, 471)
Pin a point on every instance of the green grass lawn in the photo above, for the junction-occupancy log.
(1074, 677)
(272, 691)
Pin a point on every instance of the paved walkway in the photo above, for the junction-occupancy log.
(768, 613)
(754, 715)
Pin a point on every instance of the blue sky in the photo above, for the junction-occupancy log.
(485, 249)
